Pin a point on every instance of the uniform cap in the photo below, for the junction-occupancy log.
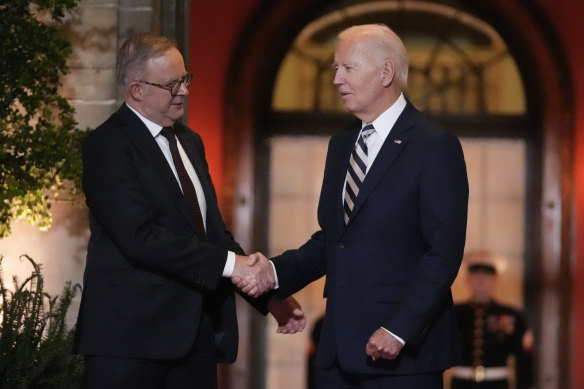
(482, 267)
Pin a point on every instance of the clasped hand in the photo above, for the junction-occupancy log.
(383, 345)
(254, 275)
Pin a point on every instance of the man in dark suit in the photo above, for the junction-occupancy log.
(392, 212)
(158, 308)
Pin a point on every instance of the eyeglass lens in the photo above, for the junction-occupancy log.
(175, 89)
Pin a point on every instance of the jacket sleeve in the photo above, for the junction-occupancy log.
(443, 202)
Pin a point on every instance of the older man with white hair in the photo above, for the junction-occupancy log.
(392, 215)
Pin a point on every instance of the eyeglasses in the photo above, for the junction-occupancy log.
(173, 86)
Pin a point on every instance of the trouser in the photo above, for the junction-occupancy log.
(196, 370)
(336, 378)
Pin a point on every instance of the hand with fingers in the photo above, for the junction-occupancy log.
(254, 275)
(383, 345)
(289, 315)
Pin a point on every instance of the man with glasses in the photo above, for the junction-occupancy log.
(158, 307)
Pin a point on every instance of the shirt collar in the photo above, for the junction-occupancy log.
(152, 127)
(384, 122)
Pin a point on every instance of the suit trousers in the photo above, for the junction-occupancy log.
(196, 370)
(336, 378)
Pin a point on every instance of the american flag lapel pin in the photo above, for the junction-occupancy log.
(398, 141)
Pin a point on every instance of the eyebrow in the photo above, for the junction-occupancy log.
(345, 64)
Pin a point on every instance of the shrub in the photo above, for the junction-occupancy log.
(40, 142)
(35, 344)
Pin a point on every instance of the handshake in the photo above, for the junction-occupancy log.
(254, 275)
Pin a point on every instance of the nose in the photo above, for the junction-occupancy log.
(338, 80)
(184, 90)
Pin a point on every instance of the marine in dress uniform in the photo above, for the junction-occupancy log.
(490, 333)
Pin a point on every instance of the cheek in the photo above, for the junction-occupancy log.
(362, 85)
(354, 83)
(176, 110)
(372, 83)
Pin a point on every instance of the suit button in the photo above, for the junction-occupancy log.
(342, 245)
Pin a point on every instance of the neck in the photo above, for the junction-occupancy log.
(384, 105)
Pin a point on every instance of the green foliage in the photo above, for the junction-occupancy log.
(40, 153)
(35, 344)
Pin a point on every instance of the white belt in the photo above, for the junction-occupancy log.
(480, 373)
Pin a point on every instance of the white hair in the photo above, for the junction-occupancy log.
(387, 44)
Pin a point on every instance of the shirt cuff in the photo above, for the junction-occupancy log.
(403, 342)
(276, 285)
(229, 264)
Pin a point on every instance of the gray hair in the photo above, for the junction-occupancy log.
(387, 45)
(135, 53)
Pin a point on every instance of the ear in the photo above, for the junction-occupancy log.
(388, 73)
(136, 90)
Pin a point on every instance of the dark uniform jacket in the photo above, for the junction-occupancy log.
(492, 332)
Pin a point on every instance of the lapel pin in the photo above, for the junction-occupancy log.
(398, 141)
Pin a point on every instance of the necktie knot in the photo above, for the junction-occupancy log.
(167, 132)
(367, 131)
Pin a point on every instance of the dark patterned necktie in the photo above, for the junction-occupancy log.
(187, 185)
(356, 171)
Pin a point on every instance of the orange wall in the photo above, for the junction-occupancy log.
(215, 31)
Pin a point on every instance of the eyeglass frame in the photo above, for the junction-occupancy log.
(186, 79)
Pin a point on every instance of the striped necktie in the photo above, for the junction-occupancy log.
(187, 185)
(356, 171)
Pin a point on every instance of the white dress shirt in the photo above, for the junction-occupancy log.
(383, 125)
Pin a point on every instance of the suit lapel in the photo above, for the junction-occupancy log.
(142, 138)
(392, 147)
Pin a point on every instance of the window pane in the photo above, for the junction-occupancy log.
(458, 63)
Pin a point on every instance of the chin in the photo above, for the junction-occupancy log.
(350, 105)
(176, 113)
(347, 106)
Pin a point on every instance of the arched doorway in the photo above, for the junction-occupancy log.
(255, 66)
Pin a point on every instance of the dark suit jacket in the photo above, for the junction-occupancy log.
(394, 263)
(147, 274)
